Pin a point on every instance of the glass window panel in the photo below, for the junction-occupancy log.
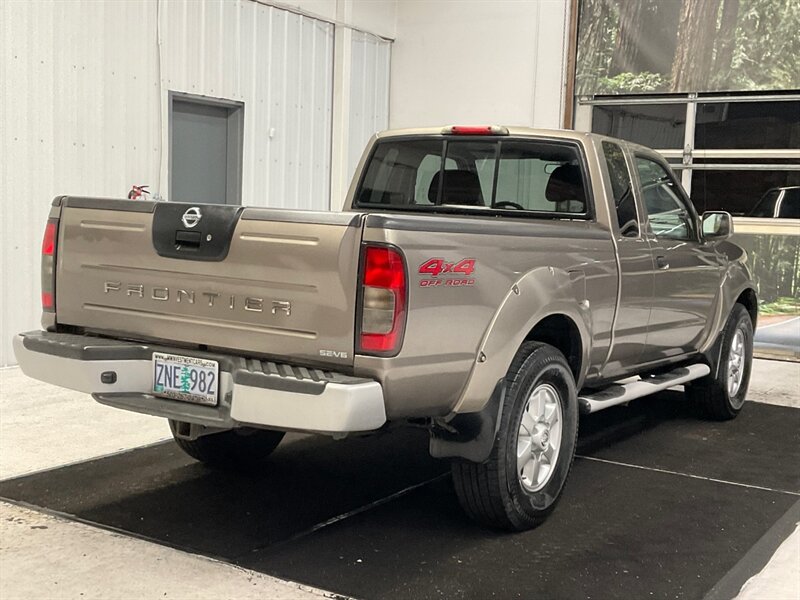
(743, 125)
(540, 177)
(781, 203)
(652, 125)
(426, 170)
(470, 182)
(667, 214)
(789, 205)
(621, 187)
(531, 176)
(767, 205)
(391, 177)
(738, 192)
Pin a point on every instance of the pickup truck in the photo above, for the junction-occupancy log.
(484, 282)
(778, 203)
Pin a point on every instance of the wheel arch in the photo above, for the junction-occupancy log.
(745, 296)
(544, 305)
(561, 332)
(749, 300)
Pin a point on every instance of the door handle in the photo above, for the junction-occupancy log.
(662, 263)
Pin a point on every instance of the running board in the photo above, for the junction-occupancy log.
(621, 393)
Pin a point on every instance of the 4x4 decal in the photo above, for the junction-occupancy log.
(456, 273)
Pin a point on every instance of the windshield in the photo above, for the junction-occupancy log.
(790, 204)
(766, 206)
(475, 174)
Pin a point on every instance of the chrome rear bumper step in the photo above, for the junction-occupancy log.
(621, 393)
(252, 392)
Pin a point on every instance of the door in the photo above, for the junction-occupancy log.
(686, 270)
(629, 332)
(205, 150)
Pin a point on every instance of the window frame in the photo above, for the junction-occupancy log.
(630, 168)
(590, 214)
(687, 156)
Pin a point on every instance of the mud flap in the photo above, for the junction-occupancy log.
(470, 435)
(714, 354)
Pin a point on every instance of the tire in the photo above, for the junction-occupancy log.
(235, 449)
(722, 396)
(503, 492)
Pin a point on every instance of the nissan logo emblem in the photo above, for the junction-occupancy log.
(191, 217)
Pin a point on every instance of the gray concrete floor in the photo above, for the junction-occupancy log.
(43, 427)
(780, 579)
(44, 556)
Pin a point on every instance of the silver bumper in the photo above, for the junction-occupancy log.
(252, 392)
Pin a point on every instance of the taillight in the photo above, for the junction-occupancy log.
(383, 301)
(49, 265)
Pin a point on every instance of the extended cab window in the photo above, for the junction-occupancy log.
(622, 188)
(475, 174)
(667, 210)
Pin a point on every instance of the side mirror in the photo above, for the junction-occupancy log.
(717, 225)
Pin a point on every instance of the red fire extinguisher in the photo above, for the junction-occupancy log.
(138, 192)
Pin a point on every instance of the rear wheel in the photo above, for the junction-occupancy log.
(722, 396)
(241, 448)
(520, 483)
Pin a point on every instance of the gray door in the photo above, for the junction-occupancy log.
(205, 151)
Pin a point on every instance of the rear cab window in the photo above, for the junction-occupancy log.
(476, 175)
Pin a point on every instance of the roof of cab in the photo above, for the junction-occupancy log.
(512, 131)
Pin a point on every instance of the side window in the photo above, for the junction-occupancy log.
(622, 188)
(667, 212)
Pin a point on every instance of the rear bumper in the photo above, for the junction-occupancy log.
(252, 392)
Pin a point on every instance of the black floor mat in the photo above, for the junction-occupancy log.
(761, 447)
(618, 532)
(160, 493)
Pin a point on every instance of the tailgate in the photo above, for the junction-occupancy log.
(269, 282)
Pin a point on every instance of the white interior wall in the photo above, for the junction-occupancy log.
(377, 17)
(369, 93)
(479, 61)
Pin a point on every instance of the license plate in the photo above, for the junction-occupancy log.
(185, 378)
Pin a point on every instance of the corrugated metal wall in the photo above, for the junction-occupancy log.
(369, 92)
(84, 111)
(79, 110)
(280, 65)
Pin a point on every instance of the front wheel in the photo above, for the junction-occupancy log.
(722, 396)
(520, 483)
